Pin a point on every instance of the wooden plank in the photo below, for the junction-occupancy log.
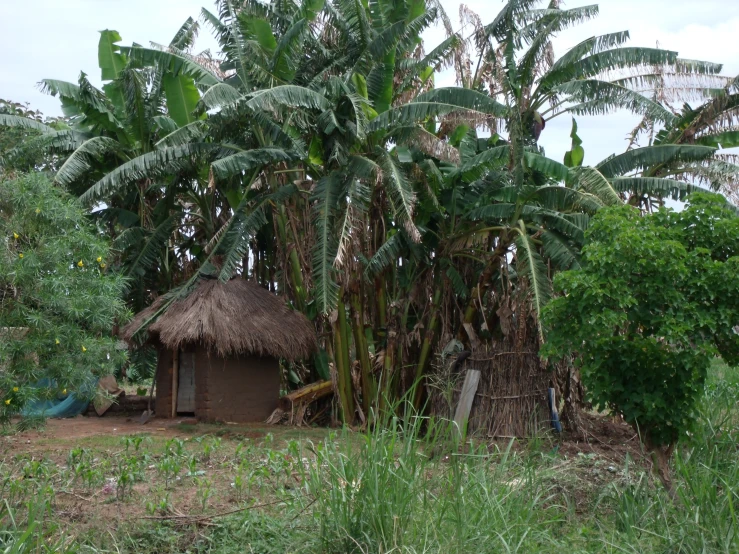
(175, 380)
(466, 397)
(186, 383)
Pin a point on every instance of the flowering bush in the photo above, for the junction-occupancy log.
(58, 303)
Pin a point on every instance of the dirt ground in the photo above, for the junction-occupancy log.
(607, 437)
(589, 459)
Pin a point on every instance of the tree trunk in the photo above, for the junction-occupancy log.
(661, 455)
(360, 342)
(426, 348)
(341, 359)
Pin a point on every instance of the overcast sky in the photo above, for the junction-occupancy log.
(58, 39)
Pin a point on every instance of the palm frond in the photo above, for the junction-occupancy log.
(601, 97)
(384, 258)
(83, 157)
(493, 212)
(24, 122)
(145, 166)
(475, 167)
(291, 96)
(592, 181)
(62, 89)
(400, 193)
(640, 158)
(164, 123)
(458, 285)
(418, 137)
(149, 254)
(725, 139)
(531, 266)
(547, 166)
(504, 22)
(175, 64)
(324, 198)
(592, 45)
(602, 62)
(221, 95)
(188, 133)
(559, 250)
(247, 160)
(185, 36)
(571, 225)
(654, 186)
(436, 103)
(563, 199)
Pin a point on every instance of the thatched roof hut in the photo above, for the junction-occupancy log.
(219, 349)
(236, 317)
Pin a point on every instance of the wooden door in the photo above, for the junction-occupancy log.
(186, 383)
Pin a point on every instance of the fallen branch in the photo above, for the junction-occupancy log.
(305, 395)
(297, 402)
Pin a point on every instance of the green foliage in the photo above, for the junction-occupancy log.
(22, 135)
(58, 302)
(655, 301)
(574, 157)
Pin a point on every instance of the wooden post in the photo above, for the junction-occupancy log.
(466, 397)
(175, 380)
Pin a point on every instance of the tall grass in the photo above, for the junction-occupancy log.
(706, 472)
(404, 487)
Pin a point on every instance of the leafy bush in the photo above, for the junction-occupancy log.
(58, 302)
(654, 302)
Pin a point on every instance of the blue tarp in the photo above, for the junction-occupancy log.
(61, 406)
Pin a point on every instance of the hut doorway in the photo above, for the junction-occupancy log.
(186, 383)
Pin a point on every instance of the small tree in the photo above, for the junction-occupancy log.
(58, 302)
(655, 300)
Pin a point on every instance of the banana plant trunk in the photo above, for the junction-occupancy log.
(360, 342)
(426, 348)
(341, 359)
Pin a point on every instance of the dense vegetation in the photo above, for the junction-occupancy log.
(316, 156)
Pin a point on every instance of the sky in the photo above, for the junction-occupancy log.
(58, 39)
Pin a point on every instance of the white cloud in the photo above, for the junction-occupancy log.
(57, 39)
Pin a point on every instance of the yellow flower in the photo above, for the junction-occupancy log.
(102, 266)
(38, 211)
(64, 391)
(80, 264)
(15, 389)
(20, 256)
(16, 235)
(7, 402)
(57, 341)
(100, 259)
(84, 349)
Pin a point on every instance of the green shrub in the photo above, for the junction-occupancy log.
(654, 302)
(58, 302)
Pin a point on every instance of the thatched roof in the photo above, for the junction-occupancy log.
(237, 317)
